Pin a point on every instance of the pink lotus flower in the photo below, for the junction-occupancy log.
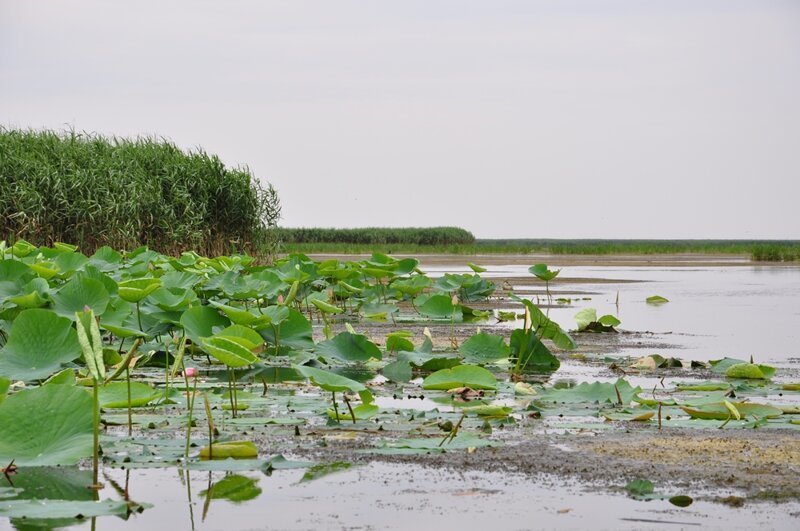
(191, 372)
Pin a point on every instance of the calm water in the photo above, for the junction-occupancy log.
(387, 496)
(734, 311)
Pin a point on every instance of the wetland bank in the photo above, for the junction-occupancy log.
(559, 446)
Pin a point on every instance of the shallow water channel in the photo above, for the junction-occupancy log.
(735, 310)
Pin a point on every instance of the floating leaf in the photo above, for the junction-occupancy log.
(656, 299)
(349, 347)
(681, 501)
(334, 382)
(484, 348)
(595, 392)
(234, 449)
(722, 410)
(115, 395)
(461, 376)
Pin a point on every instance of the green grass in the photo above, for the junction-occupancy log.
(759, 250)
(96, 191)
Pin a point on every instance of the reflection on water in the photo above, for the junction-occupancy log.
(394, 496)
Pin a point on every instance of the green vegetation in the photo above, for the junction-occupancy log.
(96, 191)
(434, 236)
(248, 335)
(759, 250)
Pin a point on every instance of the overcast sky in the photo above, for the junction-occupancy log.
(576, 119)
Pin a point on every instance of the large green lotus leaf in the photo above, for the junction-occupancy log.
(530, 354)
(173, 298)
(230, 350)
(349, 347)
(440, 307)
(234, 488)
(106, 259)
(69, 263)
(200, 321)
(34, 294)
(484, 348)
(595, 392)
(5, 384)
(137, 289)
(249, 337)
(293, 332)
(181, 280)
(412, 286)
(15, 271)
(115, 395)
(39, 342)
(334, 382)
(79, 293)
(398, 371)
(461, 376)
(49, 425)
(22, 248)
(242, 316)
(750, 371)
(541, 272)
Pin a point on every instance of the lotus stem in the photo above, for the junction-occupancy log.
(96, 437)
(349, 407)
(335, 407)
(130, 413)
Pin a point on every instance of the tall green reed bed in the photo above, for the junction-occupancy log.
(406, 236)
(95, 191)
(758, 250)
